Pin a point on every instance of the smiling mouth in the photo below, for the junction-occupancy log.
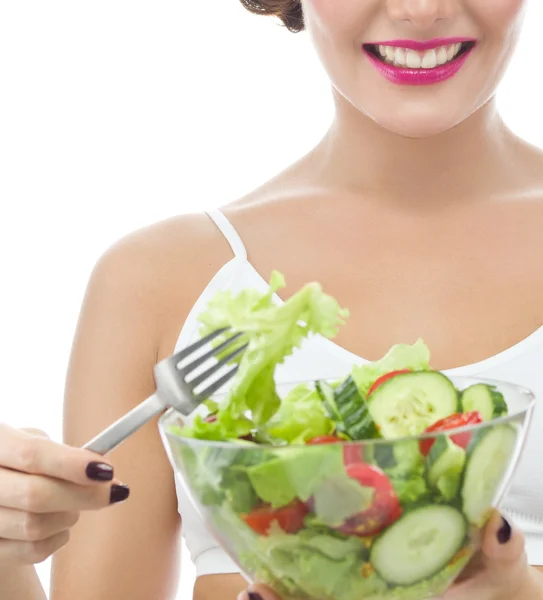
(406, 58)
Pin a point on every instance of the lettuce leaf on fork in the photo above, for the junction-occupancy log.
(272, 331)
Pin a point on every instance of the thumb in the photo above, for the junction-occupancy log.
(259, 592)
(502, 547)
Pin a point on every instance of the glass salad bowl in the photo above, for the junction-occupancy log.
(377, 519)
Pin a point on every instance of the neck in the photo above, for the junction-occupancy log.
(473, 160)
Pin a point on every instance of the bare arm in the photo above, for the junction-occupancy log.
(138, 296)
(129, 550)
(21, 583)
(136, 301)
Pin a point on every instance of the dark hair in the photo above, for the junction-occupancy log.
(289, 11)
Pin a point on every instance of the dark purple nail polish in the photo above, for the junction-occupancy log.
(118, 493)
(504, 532)
(99, 471)
(254, 596)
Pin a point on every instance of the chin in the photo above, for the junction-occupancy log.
(418, 122)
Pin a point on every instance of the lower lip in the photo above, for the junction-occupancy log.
(406, 76)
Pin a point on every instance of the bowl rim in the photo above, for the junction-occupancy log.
(237, 444)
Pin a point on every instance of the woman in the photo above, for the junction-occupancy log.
(419, 210)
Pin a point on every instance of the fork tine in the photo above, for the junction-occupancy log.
(203, 376)
(202, 359)
(193, 347)
(205, 394)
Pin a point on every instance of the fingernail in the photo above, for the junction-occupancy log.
(118, 493)
(254, 596)
(99, 471)
(504, 532)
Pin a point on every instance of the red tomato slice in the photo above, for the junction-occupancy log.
(289, 518)
(386, 377)
(385, 509)
(452, 422)
(351, 453)
(324, 439)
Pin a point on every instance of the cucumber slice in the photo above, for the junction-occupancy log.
(444, 467)
(326, 393)
(407, 404)
(397, 459)
(488, 457)
(384, 456)
(346, 406)
(419, 545)
(485, 399)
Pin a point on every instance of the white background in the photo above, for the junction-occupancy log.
(120, 113)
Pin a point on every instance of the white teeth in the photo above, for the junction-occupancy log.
(442, 57)
(412, 59)
(429, 60)
(399, 57)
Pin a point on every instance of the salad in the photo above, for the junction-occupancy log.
(363, 487)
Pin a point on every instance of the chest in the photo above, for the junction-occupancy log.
(469, 284)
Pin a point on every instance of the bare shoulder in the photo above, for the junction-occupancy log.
(160, 270)
(156, 254)
(279, 204)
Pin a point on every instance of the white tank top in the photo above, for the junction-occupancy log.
(323, 359)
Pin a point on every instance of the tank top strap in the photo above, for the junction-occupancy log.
(229, 232)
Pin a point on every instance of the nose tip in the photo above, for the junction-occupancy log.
(423, 14)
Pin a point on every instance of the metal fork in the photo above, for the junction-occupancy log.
(173, 390)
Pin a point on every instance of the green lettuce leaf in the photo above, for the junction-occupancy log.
(312, 564)
(402, 356)
(300, 418)
(295, 473)
(271, 332)
(317, 473)
(404, 465)
(220, 474)
(410, 490)
(339, 497)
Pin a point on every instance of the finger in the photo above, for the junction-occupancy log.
(36, 432)
(259, 592)
(20, 526)
(503, 544)
(37, 494)
(37, 455)
(473, 568)
(31, 553)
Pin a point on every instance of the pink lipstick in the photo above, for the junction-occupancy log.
(409, 62)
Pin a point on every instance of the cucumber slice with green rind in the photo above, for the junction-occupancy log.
(444, 466)
(326, 393)
(408, 404)
(488, 458)
(419, 544)
(485, 399)
(348, 409)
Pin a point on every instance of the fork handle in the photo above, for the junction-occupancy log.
(111, 437)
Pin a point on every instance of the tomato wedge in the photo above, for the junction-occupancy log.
(290, 518)
(385, 509)
(351, 453)
(452, 422)
(386, 377)
(324, 439)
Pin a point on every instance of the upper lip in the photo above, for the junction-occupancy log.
(427, 45)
